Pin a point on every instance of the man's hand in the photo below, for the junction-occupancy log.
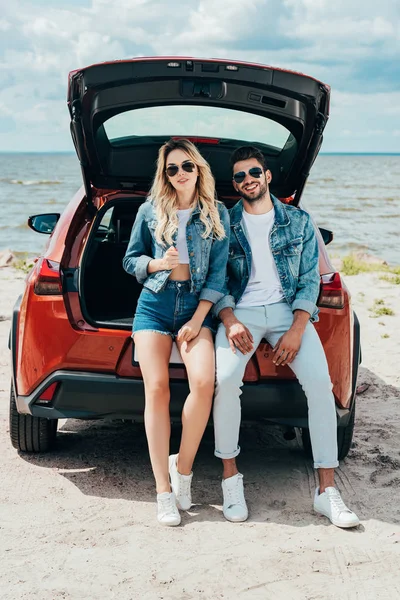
(189, 331)
(170, 260)
(238, 335)
(287, 347)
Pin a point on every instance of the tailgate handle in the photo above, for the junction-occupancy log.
(202, 90)
(196, 88)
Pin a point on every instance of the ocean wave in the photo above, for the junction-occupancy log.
(31, 181)
(350, 245)
(54, 201)
(347, 209)
(326, 180)
(19, 226)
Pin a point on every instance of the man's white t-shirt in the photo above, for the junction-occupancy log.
(264, 286)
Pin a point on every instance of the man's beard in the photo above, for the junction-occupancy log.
(263, 189)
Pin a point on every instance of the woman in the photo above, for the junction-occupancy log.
(179, 250)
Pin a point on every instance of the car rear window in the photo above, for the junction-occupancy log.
(197, 121)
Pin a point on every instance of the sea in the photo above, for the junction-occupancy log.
(357, 196)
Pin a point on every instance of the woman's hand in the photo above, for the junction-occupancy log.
(170, 260)
(189, 331)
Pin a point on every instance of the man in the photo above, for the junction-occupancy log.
(274, 285)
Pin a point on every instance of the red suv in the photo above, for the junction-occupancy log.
(72, 352)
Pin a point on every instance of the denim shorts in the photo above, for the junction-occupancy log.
(168, 310)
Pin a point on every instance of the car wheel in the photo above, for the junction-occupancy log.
(344, 437)
(31, 434)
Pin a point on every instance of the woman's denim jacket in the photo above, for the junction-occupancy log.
(207, 257)
(294, 247)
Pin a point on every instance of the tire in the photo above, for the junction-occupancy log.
(344, 437)
(31, 434)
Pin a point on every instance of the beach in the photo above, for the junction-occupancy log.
(79, 523)
(94, 95)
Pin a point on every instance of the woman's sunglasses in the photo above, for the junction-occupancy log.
(253, 172)
(187, 166)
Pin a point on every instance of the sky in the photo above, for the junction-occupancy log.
(353, 45)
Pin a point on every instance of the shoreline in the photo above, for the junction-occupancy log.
(350, 263)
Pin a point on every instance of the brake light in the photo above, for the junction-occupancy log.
(48, 394)
(48, 282)
(287, 200)
(198, 140)
(332, 293)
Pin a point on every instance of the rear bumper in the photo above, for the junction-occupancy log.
(84, 395)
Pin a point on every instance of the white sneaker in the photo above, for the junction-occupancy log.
(234, 507)
(167, 511)
(180, 484)
(331, 505)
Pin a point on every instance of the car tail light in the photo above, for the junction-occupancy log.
(48, 282)
(332, 293)
(48, 394)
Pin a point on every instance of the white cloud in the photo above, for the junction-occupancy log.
(353, 46)
(93, 44)
(365, 120)
(4, 25)
(43, 26)
(216, 23)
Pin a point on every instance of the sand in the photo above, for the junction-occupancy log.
(79, 523)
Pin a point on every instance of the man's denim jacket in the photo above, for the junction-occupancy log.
(294, 247)
(207, 257)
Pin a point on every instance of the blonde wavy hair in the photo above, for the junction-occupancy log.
(165, 199)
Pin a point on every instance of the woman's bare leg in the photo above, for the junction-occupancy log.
(199, 358)
(154, 350)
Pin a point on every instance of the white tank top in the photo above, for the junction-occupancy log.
(181, 243)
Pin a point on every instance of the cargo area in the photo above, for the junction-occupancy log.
(108, 294)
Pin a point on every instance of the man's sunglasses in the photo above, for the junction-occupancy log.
(187, 166)
(253, 172)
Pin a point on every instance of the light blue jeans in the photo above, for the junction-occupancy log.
(309, 366)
